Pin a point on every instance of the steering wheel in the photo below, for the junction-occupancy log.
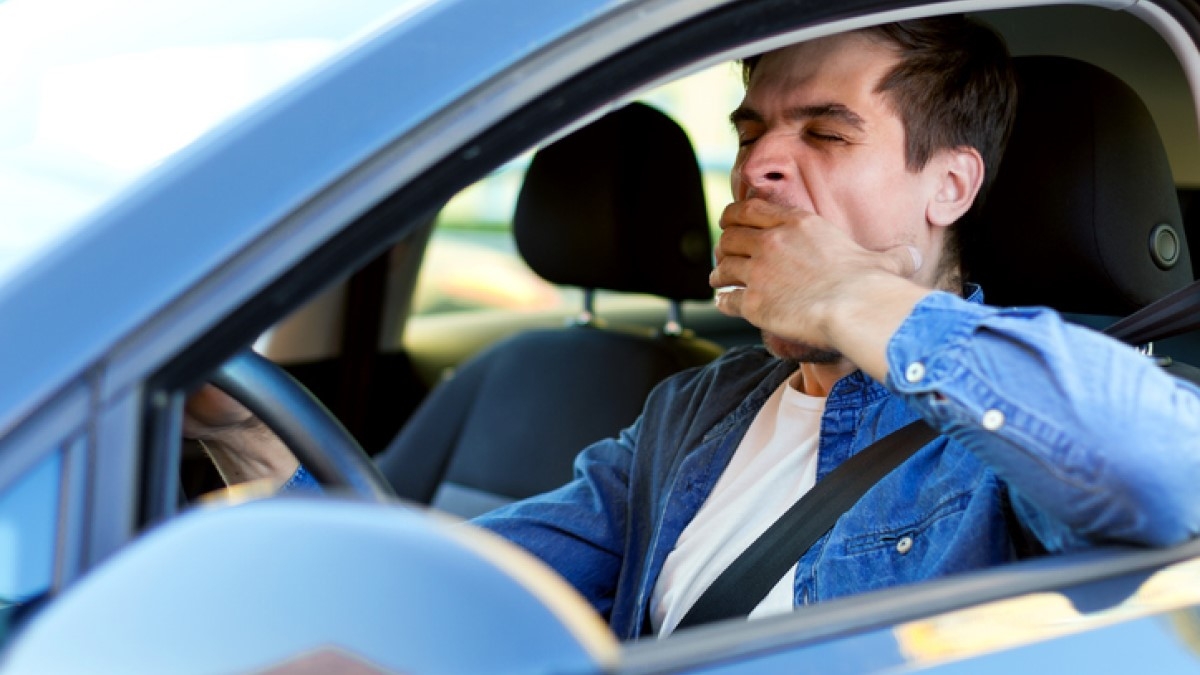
(313, 434)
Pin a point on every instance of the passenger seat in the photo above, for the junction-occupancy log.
(617, 206)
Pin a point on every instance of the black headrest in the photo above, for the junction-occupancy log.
(618, 205)
(1083, 215)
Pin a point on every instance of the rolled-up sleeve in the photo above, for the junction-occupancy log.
(1095, 442)
(301, 482)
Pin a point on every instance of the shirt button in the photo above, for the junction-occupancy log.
(915, 372)
(904, 545)
(993, 420)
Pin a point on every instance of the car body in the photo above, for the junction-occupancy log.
(117, 300)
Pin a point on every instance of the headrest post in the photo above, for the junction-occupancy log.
(587, 316)
(674, 325)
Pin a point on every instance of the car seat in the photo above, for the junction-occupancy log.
(1083, 215)
(617, 205)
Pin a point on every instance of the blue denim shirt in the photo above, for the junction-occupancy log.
(1050, 431)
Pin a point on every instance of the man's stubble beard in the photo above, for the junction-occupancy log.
(799, 351)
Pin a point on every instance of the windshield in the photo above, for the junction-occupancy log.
(96, 93)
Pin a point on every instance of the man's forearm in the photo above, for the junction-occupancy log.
(239, 444)
(1085, 430)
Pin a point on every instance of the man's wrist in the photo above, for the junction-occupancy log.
(244, 453)
(861, 326)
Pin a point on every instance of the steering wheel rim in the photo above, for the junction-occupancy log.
(310, 431)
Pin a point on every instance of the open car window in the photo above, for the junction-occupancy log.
(473, 281)
(471, 263)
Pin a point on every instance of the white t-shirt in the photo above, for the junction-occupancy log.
(775, 464)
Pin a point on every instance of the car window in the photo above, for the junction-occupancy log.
(28, 525)
(471, 264)
(152, 77)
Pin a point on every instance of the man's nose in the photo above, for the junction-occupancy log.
(767, 167)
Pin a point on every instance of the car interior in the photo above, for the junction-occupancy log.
(400, 397)
(500, 403)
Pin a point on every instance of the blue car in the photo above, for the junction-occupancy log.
(417, 238)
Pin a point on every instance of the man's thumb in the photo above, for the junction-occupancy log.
(908, 260)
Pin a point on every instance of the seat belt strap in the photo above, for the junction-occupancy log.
(744, 584)
(1170, 315)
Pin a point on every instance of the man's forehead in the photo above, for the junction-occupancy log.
(852, 58)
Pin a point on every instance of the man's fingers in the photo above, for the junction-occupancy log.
(757, 213)
(752, 213)
(728, 299)
(732, 270)
(729, 284)
(736, 240)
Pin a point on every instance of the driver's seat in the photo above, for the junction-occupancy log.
(1083, 216)
(618, 206)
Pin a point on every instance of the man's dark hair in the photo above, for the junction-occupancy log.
(954, 86)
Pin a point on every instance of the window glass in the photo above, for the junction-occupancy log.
(471, 264)
(94, 95)
(28, 525)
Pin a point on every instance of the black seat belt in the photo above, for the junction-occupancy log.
(751, 576)
(1173, 314)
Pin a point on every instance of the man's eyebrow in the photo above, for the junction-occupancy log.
(836, 111)
(744, 114)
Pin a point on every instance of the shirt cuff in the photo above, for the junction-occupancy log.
(938, 324)
(301, 482)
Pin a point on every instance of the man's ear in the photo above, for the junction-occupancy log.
(958, 175)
